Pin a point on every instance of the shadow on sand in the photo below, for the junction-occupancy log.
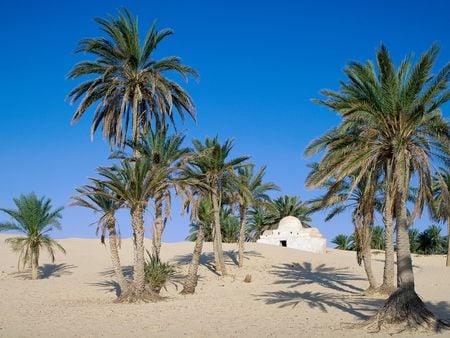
(48, 270)
(347, 299)
(296, 274)
(207, 259)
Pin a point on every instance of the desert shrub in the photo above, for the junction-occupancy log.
(157, 273)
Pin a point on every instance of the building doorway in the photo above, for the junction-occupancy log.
(283, 243)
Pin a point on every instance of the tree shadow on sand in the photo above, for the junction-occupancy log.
(296, 274)
(48, 270)
(358, 306)
(207, 259)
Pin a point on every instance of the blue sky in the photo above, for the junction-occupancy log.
(260, 63)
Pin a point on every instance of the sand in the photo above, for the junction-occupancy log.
(292, 293)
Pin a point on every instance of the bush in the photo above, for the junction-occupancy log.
(157, 273)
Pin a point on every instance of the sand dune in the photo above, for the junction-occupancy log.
(292, 293)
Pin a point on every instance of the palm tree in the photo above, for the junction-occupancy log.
(132, 183)
(430, 241)
(125, 83)
(201, 212)
(253, 181)
(290, 206)
(35, 219)
(260, 219)
(210, 170)
(343, 242)
(395, 113)
(441, 210)
(165, 152)
(98, 198)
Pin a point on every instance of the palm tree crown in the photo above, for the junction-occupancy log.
(126, 84)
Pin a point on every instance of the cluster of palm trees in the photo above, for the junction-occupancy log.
(263, 215)
(383, 157)
(130, 92)
(428, 242)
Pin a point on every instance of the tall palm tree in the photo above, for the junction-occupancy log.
(211, 170)
(98, 198)
(132, 183)
(35, 219)
(396, 114)
(441, 210)
(165, 152)
(125, 83)
(255, 193)
(289, 206)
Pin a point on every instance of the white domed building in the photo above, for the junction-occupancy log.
(292, 234)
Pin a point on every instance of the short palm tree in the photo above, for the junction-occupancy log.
(210, 170)
(35, 219)
(400, 128)
(343, 242)
(127, 86)
(430, 241)
(378, 240)
(132, 183)
(260, 219)
(254, 194)
(99, 199)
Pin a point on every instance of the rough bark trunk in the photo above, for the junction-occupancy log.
(404, 309)
(157, 225)
(405, 275)
(34, 264)
(217, 240)
(137, 290)
(115, 258)
(242, 231)
(448, 241)
(388, 285)
(191, 279)
(367, 258)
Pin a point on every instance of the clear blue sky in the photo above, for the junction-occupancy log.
(260, 63)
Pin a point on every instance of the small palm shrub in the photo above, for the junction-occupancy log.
(157, 273)
(343, 242)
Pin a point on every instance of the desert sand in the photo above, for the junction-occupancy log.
(292, 293)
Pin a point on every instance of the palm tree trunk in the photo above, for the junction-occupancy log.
(115, 258)
(137, 219)
(367, 257)
(448, 241)
(405, 275)
(388, 286)
(157, 225)
(242, 231)
(191, 279)
(34, 264)
(217, 235)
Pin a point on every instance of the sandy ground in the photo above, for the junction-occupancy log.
(292, 293)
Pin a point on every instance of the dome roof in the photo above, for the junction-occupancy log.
(290, 223)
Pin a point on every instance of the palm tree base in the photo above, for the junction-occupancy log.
(131, 295)
(386, 290)
(404, 311)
